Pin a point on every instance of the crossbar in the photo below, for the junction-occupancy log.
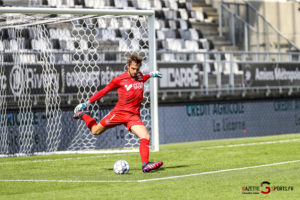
(26, 10)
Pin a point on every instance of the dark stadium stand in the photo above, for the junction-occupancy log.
(174, 31)
(186, 32)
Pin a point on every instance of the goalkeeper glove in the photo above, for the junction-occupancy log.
(81, 106)
(155, 74)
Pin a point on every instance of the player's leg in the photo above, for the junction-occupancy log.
(142, 132)
(91, 123)
(98, 129)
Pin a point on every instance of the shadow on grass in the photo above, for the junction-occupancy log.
(161, 169)
(173, 167)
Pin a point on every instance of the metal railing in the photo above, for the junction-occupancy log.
(245, 27)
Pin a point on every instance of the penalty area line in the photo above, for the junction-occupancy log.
(251, 144)
(155, 179)
(219, 171)
(72, 181)
(132, 153)
(63, 159)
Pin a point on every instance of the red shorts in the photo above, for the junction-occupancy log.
(113, 119)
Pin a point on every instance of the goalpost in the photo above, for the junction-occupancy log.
(52, 59)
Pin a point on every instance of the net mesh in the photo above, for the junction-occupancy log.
(52, 63)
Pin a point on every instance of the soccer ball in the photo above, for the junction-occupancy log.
(121, 167)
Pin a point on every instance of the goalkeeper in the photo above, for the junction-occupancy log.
(130, 88)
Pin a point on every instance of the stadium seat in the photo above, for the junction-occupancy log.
(169, 14)
(106, 34)
(173, 28)
(146, 4)
(4, 34)
(174, 44)
(196, 34)
(160, 35)
(1, 46)
(6, 44)
(13, 45)
(121, 3)
(134, 45)
(101, 22)
(174, 24)
(171, 4)
(126, 23)
(159, 14)
(169, 33)
(191, 45)
(156, 4)
(11, 33)
(25, 33)
(198, 15)
(184, 24)
(118, 34)
(123, 45)
(168, 57)
(183, 14)
(8, 57)
(185, 34)
(114, 23)
(159, 45)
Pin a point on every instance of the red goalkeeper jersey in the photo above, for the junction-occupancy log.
(130, 91)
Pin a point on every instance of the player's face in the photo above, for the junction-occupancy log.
(133, 69)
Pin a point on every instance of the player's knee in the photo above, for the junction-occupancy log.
(146, 136)
(96, 131)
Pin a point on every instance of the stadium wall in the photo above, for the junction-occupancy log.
(179, 123)
(235, 119)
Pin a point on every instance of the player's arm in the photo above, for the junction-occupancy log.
(112, 85)
(154, 74)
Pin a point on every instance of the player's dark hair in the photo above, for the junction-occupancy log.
(134, 58)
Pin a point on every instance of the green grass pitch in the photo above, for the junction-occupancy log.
(216, 169)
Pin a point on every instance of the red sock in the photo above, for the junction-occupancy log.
(144, 150)
(89, 121)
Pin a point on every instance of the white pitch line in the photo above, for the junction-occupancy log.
(72, 181)
(209, 147)
(155, 179)
(249, 144)
(59, 159)
(218, 171)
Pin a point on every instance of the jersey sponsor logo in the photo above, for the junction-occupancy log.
(138, 85)
(128, 87)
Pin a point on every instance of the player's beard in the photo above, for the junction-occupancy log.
(133, 75)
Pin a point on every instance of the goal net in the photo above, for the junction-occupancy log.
(55, 59)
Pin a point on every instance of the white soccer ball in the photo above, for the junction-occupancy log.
(121, 167)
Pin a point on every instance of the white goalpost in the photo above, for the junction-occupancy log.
(52, 59)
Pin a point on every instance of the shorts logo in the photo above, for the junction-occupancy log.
(128, 87)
